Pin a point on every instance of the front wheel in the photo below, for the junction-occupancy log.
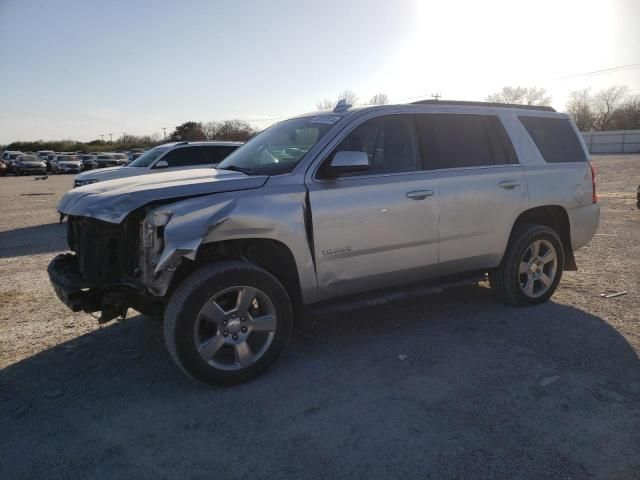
(531, 268)
(227, 323)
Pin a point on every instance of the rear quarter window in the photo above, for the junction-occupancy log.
(555, 138)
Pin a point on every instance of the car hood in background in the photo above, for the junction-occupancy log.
(112, 201)
(108, 173)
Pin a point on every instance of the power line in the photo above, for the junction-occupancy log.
(619, 68)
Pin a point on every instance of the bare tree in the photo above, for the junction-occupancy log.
(537, 96)
(379, 99)
(605, 103)
(580, 108)
(349, 97)
(228, 130)
(328, 104)
(627, 116)
(521, 95)
(508, 95)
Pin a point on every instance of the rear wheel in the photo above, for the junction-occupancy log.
(531, 268)
(227, 323)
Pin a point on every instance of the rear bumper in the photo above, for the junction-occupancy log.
(583, 222)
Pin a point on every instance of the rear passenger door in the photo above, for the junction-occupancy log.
(482, 188)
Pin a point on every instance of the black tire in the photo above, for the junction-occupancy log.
(506, 280)
(181, 316)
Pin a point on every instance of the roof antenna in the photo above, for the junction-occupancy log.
(436, 96)
(342, 106)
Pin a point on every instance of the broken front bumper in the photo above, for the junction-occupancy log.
(71, 287)
(80, 294)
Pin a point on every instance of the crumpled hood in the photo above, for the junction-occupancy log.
(112, 201)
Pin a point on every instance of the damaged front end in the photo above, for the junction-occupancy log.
(104, 273)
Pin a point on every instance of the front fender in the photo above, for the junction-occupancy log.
(275, 213)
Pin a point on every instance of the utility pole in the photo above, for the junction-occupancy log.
(102, 137)
(111, 137)
(436, 96)
(164, 131)
(124, 137)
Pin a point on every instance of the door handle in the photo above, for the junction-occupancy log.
(419, 194)
(509, 184)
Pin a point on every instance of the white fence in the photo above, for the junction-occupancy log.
(616, 141)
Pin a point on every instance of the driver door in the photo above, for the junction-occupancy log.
(376, 228)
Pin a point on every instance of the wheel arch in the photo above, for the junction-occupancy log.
(272, 255)
(556, 218)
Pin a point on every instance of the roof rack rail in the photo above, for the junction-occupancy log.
(182, 143)
(484, 104)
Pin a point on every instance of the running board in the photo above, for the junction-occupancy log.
(381, 297)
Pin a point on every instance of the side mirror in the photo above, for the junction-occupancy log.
(161, 164)
(349, 161)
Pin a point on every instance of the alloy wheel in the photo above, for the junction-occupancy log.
(538, 268)
(235, 328)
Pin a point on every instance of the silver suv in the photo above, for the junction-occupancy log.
(332, 210)
(163, 158)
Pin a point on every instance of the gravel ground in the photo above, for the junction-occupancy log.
(455, 385)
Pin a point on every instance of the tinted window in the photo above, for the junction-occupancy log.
(460, 140)
(555, 138)
(187, 156)
(388, 141)
(218, 153)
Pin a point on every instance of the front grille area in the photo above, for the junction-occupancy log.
(107, 252)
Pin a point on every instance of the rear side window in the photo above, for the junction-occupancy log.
(555, 138)
(461, 140)
(186, 156)
(216, 154)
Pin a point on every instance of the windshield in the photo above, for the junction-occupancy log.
(29, 158)
(120, 156)
(148, 157)
(279, 148)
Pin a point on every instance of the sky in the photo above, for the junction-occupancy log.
(81, 68)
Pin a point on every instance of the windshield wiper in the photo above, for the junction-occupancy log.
(235, 168)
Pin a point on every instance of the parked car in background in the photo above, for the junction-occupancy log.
(8, 157)
(135, 154)
(88, 161)
(332, 209)
(105, 160)
(121, 159)
(26, 164)
(44, 154)
(167, 157)
(49, 159)
(66, 164)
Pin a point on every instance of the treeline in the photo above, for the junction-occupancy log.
(612, 108)
(228, 130)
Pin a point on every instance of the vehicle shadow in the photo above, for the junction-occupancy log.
(25, 241)
(447, 386)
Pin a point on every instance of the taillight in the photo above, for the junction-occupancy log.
(594, 172)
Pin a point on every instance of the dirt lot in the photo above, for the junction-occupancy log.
(447, 386)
